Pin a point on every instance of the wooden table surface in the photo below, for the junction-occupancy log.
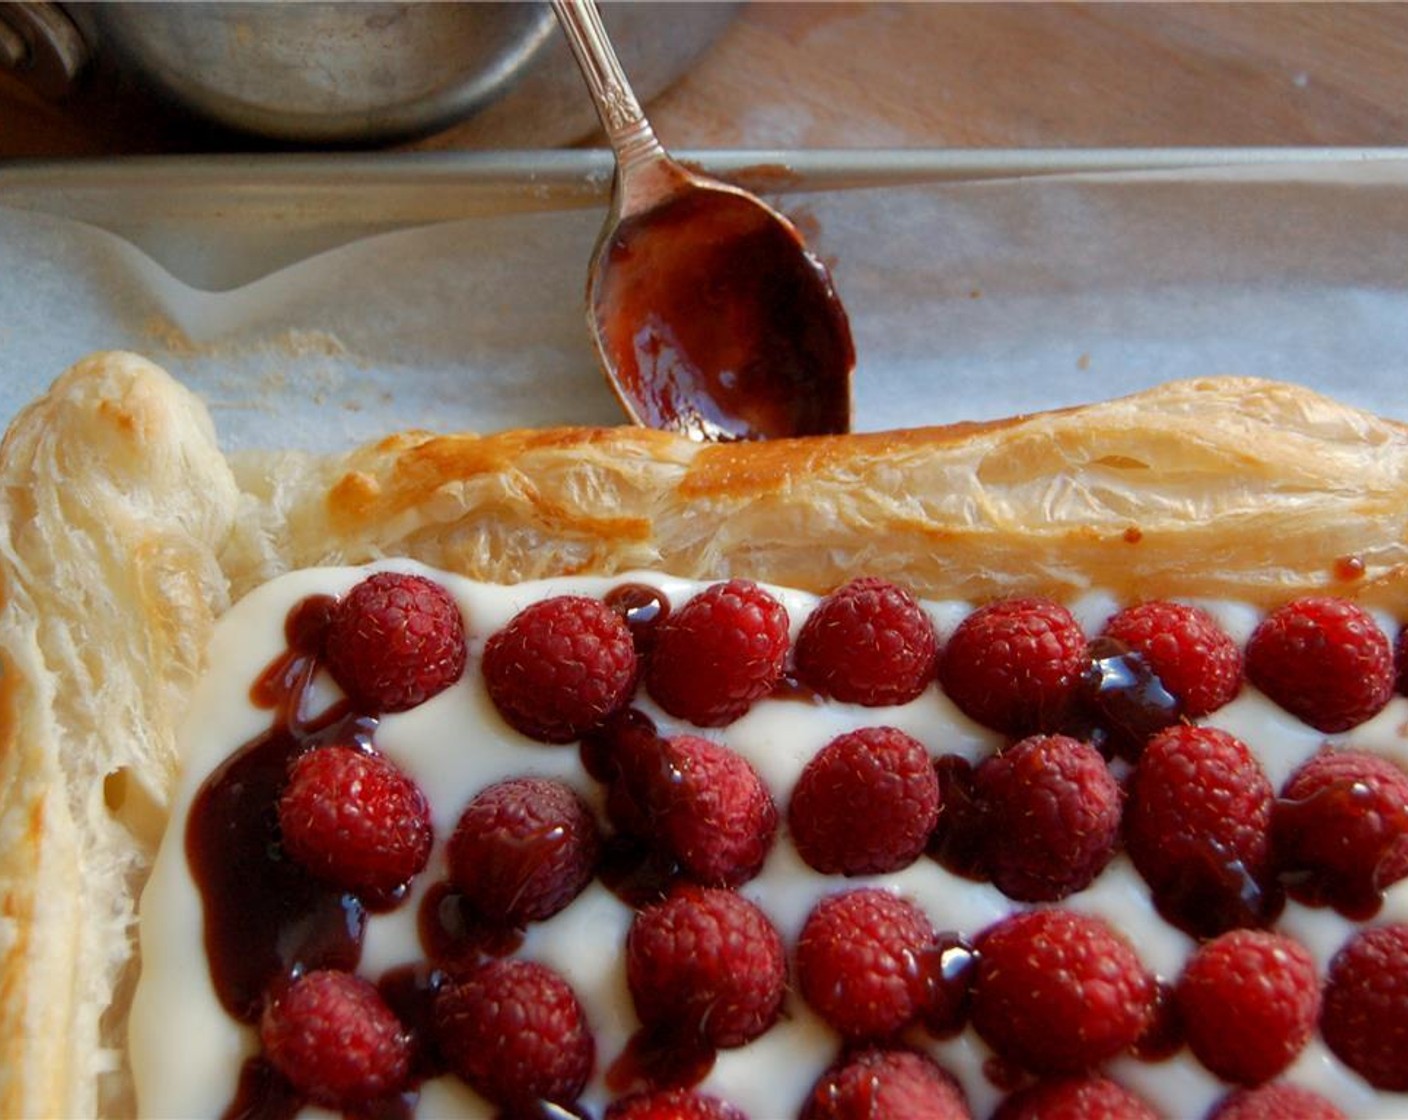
(956, 75)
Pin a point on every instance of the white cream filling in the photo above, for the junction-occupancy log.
(186, 1052)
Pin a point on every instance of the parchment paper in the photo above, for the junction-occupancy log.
(968, 300)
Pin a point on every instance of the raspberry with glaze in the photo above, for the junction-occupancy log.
(868, 642)
(1278, 1101)
(1197, 826)
(886, 1083)
(560, 667)
(1364, 1020)
(719, 653)
(1052, 813)
(1192, 656)
(1248, 1001)
(1015, 665)
(706, 965)
(1059, 991)
(516, 1033)
(865, 804)
(1084, 1097)
(672, 1104)
(1341, 830)
(1324, 660)
(699, 802)
(394, 641)
(334, 1039)
(864, 962)
(523, 849)
(353, 818)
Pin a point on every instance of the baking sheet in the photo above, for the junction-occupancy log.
(322, 301)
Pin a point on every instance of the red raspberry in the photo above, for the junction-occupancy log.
(700, 802)
(720, 652)
(1193, 657)
(335, 1040)
(876, 1084)
(1341, 830)
(1058, 991)
(1248, 1002)
(1015, 665)
(352, 818)
(1197, 826)
(394, 641)
(1084, 1097)
(1052, 811)
(515, 1032)
(522, 850)
(1277, 1101)
(1365, 1016)
(865, 804)
(865, 962)
(1324, 660)
(560, 667)
(706, 964)
(672, 1104)
(869, 643)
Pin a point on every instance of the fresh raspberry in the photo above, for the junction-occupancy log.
(335, 1040)
(1277, 1101)
(877, 1084)
(1364, 1020)
(1082, 1097)
(1058, 991)
(1192, 656)
(672, 1104)
(352, 818)
(700, 802)
(1015, 665)
(868, 643)
(1052, 812)
(560, 667)
(394, 641)
(515, 1032)
(1341, 830)
(865, 804)
(865, 962)
(522, 850)
(706, 965)
(1248, 1002)
(1197, 826)
(720, 652)
(1324, 660)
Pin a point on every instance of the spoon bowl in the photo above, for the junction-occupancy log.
(709, 314)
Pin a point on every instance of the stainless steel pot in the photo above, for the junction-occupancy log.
(359, 71)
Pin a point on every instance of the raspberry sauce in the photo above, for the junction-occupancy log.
(643, 607)
(266, 919)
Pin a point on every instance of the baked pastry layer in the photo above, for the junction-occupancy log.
(124, 532)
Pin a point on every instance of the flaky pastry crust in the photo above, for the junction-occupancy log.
(125, 533)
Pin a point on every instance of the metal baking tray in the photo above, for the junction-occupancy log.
(980, 283)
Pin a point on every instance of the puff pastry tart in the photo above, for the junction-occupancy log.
(927, 590)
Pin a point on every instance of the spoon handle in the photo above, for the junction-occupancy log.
(627, 130)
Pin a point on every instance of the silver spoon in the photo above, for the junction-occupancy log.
(708, 312)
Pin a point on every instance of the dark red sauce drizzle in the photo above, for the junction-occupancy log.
(1122, 700)
(266, 920)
